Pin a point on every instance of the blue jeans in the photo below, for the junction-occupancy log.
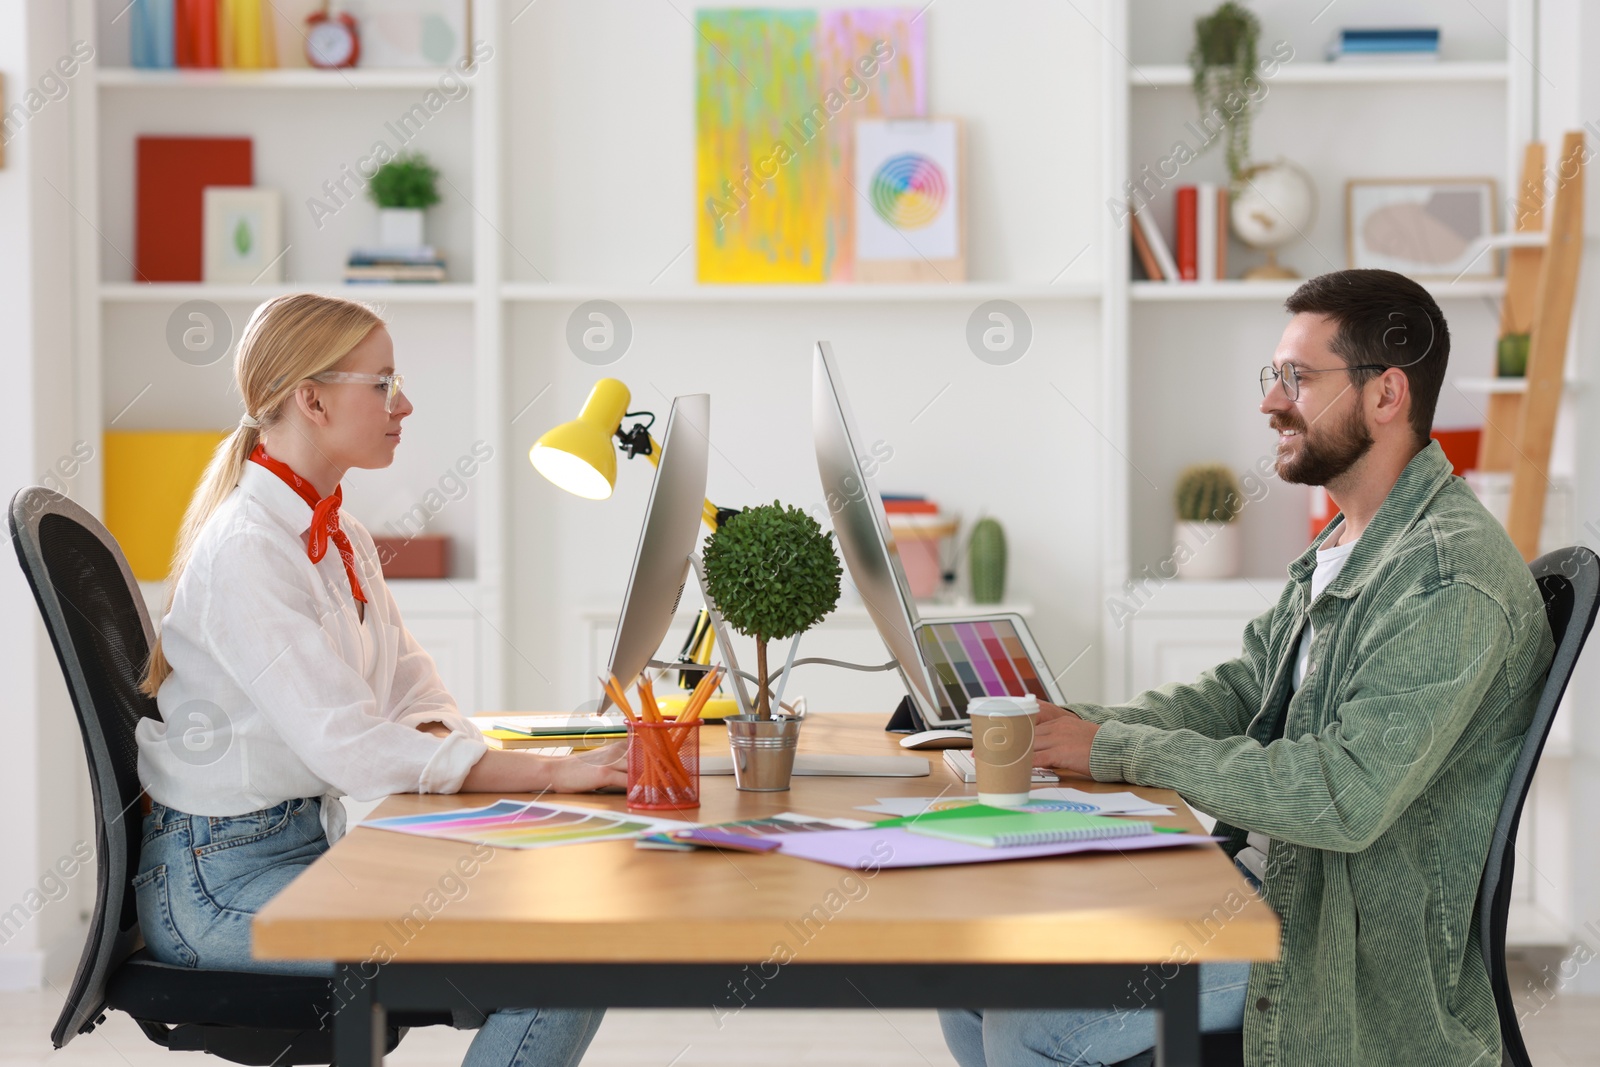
(1084, 1038)
(202, 879)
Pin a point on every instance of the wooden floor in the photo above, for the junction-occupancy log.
(1561, 1030)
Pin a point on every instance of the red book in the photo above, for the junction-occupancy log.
(1222, 233)
(910, 507)
(195, 40)
(169, 208)
(1187, 225)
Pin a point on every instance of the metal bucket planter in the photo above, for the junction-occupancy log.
(763, 752)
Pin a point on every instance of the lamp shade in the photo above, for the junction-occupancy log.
(579, 456)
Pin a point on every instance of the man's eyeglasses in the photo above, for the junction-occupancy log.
(1291, 375)
(392, 383)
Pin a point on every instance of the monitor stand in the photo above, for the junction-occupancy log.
(746, 707)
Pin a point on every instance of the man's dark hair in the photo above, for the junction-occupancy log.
(1384, 318)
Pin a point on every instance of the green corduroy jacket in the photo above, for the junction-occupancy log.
(1380, 791)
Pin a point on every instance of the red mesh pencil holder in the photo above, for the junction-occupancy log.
(663, 765)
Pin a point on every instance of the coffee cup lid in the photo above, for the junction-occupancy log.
(1023, 705)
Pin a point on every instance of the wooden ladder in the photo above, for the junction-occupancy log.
(1541, 288)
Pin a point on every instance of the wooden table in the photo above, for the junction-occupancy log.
(419, 925)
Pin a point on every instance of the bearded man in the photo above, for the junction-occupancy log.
(1357, 751)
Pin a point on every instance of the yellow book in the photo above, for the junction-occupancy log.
(149, 480)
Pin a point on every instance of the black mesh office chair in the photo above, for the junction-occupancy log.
(102, 635)
(1569, 581)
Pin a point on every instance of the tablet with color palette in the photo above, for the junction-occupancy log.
(983, 657)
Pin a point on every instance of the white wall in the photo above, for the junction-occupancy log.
(600, 146)
(43, 788)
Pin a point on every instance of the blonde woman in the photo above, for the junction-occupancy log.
(285, 676)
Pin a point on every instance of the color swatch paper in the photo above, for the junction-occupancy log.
(527, 824)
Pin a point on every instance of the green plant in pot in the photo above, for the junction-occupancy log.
(1207, 537)
(1223, 62)
(403, 188)
(772, 573)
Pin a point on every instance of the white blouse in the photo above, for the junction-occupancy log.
(278, 690)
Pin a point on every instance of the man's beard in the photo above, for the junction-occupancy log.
(1323, 457)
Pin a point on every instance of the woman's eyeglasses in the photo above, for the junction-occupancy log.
(392, 383)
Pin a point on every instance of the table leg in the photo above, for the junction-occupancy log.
(1178, 1028)
(360, 1023)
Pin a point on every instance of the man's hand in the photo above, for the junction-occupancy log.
(1062, 740)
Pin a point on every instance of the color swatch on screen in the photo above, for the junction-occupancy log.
(978, 659)
(526, 824)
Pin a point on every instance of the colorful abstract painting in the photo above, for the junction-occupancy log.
(777, 95)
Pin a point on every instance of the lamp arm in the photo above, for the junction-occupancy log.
(713, 515)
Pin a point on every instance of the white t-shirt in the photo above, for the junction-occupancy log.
(1330, 561)
(278, 690)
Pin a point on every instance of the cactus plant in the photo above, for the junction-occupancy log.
(1208, 492)
(986, 555)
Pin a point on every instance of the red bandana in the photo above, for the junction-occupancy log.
(324, 517)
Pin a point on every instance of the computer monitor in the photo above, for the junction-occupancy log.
(862, 528)
(946, 662)
(671, 528)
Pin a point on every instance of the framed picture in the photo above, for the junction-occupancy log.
(243, 236)
(910, 222)
(1423, 227)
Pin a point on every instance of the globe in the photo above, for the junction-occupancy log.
(1274, 203)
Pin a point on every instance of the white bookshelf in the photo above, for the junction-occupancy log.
(177, 292)
(282, 78)
(1278, 291)
(529, 292)
(1310, 71)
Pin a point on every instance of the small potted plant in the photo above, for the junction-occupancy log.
(403, 188)
(772, 573)
(1207, 533)
(1223, 64)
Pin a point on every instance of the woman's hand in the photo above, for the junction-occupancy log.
(596, 769)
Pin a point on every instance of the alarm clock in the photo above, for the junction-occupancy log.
(331, 40)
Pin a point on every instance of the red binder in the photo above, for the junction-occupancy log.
(196, 36)
(169, 211)
(1187, 219)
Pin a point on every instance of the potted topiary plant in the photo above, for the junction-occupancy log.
(403, 188)
(1207, 532)
(1223, 60)
(772, 573)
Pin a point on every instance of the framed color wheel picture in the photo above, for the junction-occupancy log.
(909, 218)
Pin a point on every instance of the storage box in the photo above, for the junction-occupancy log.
(414, 557)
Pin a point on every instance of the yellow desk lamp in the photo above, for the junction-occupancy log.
(580, 457)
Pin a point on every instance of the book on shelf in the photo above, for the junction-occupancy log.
(1406, 44)
(424, 254)
(418, 264)
(1186, 203)
(1143, 254)
(1166, 267)
(1206, 231)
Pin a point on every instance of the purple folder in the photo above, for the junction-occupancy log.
(894, 847)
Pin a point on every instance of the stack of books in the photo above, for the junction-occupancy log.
(1418, 44)
(1200, 221)
(420, 264)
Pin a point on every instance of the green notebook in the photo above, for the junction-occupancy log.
(965, 811)
(1029, 828)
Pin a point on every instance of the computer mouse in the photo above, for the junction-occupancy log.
(938, 739)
